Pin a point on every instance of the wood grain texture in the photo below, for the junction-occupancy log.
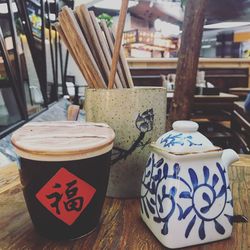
(81, 65)
(81, 12)
(79, 45)
(12, 178)
(118, 42)
(62, 140)
(73, 112)
(188, 61)
(104, 48)
(124, 61)
(120, 227)
(93, 42)
(110, 42)
(77, 60)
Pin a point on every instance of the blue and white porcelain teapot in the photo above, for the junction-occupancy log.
(185, 194)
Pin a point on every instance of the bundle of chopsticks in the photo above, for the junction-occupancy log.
(94, 48)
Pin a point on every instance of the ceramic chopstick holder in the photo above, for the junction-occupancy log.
(138, 117)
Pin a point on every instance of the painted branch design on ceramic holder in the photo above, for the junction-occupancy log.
(144, 123)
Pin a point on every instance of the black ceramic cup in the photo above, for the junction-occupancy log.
(64, 170)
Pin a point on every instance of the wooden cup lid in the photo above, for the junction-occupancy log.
(62, 141)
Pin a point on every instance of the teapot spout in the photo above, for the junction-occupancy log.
(229, 156)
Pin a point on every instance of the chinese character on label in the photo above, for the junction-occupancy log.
(66, 196)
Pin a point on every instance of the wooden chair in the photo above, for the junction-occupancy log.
(241, 127)
(72, 89)
(241, 92)
(217, 133)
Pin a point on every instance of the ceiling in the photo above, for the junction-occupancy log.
(172, 13)
(228, 10)
(217, 11)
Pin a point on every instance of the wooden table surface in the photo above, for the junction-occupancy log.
(223, 97)
(121, 226)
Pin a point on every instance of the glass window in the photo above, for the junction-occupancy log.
(29, 78)
(9, 111)
(33, 95)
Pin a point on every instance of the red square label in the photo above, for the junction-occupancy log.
(66, 196)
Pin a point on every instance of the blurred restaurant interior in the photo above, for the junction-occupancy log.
(36, 70)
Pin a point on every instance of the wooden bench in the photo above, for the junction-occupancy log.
(219, 134)
(210, 107)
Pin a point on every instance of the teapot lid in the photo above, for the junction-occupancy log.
(185, 139)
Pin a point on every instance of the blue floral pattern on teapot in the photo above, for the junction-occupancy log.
(185, 188)
(178, 139)
(155, 180)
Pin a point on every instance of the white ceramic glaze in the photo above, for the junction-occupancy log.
(184, 138)
(185, 194)
(138, 117)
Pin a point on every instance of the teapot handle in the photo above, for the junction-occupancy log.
(229, 156)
